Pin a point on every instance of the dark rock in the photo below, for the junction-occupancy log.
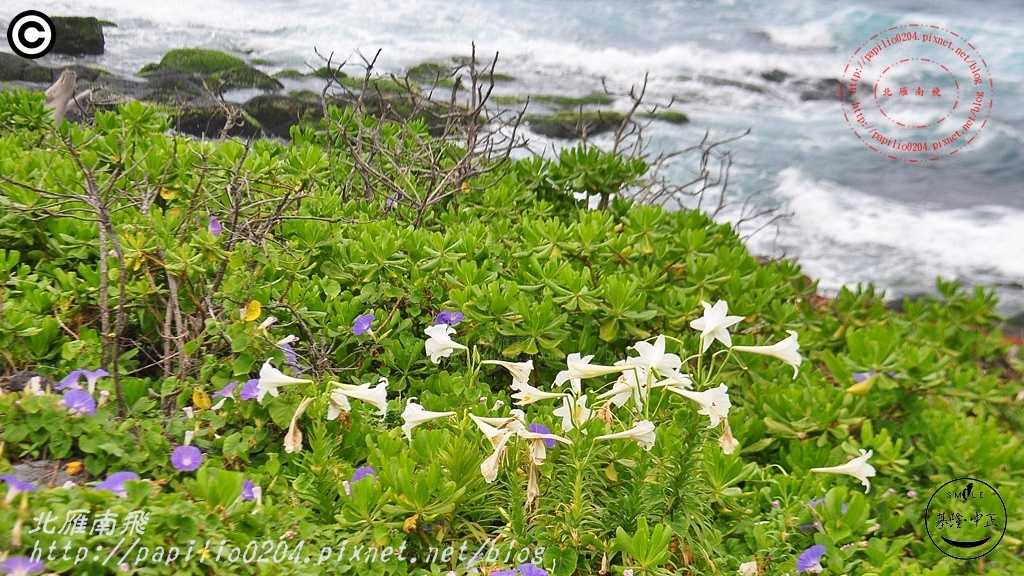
(822, 89)
(575, 124)
(77, 35)
(219, 70)
(17, 69)
(775, 75)
(713, 81)
(277, 114)
(208, 122)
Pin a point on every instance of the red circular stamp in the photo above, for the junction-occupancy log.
(916, 93)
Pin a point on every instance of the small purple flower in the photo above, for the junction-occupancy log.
(363, 324)
(15, 486)
(539, 428)
(21, 566)
(251, 390)
(79, 401)
(186, 458)
(291, 358)
(821, 502)
(226, 391)
(810, 559)
(512, 572)
(214, 227)
(391, 200)
(92, 376)
(532, 570)
(70, 381)
(247, 493)
(115, 482)
(363, 472)
(862, 376)
(449, 318)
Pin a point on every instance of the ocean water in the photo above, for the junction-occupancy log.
(853, 216)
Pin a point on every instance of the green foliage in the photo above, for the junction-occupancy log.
(539, 277)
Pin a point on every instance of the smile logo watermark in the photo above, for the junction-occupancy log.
(965, 518)
(31, 34)
(916, 93)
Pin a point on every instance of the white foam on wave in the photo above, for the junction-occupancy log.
(846, 236)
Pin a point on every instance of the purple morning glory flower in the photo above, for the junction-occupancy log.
(15, 486)
(79, 401)
(214, 227)
(810, 559)
(291, 358)
(391, 201)
(862, 376)
(115, 482)
(532, 570)
(70, 381)
(247, 487)
(250, 390)
(538, 428)
(21, 566)
(505, 572)
(186, 458)
(363, 472)
(225, 392)
(450, 318)
(363, 324)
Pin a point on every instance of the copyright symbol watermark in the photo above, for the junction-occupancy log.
(31, 34)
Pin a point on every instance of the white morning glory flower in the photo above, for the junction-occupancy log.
(715, 324)
(414, 415)
(271, 378)
(714, 403)
(526, 394)
(787, 350)
(520, 370)
(440, 344)
(377, 396)
(573, 412)
(642, 433)
(858, 468)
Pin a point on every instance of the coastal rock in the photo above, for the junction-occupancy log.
(575, 124)
(219, 71)
(77, 35)
(277, 114)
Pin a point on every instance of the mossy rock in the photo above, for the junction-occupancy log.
(508, 100)
(277, 114)
(575, 124)
(327, 73)
(380, 84)
(430, 71)
(289, 74)
(199, 61)
(559, 101)
(77, 35)
(670, 116)
(245, 77)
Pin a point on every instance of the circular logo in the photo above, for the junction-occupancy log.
(916, 93)
(965, 518)
(31, 34)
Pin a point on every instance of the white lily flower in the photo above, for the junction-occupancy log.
(653, 357)
(526, 394)
(532, 488)
(495, 429)
(538, 450)
(489, 467)
(858, 468)
(377, 396)
(293, 438)
(414, 415)
(440, 344)
(520, 370)
(726, 440)
(642, 433)
(574, 413)
(337, 403)
(271, 378)
(787, 350)
(579, 368)
(715, 324)
(714, 403)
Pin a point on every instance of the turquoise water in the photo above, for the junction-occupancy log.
(855, 216)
